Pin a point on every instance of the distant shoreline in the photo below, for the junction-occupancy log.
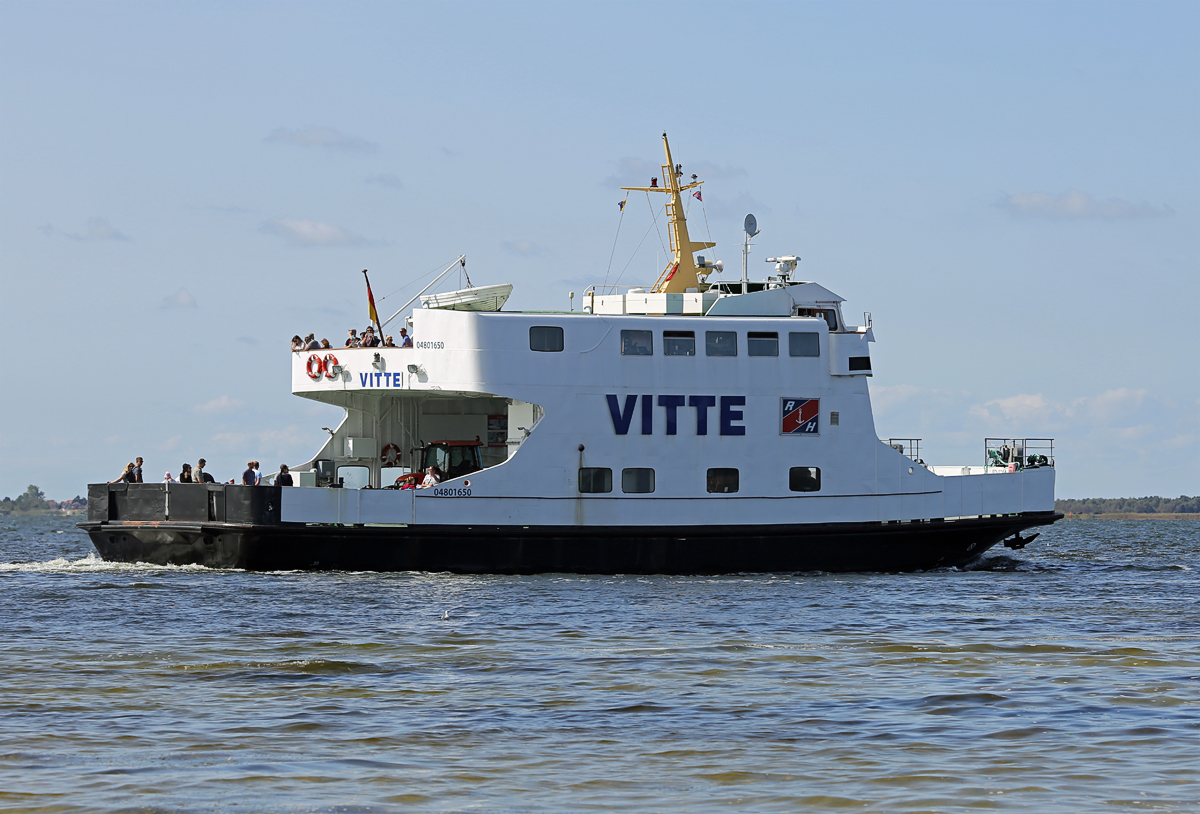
(1132, 516)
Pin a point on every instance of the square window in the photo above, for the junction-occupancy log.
(762, 343)
(595, 479)
(545, 338)
(860, 362)
(804, 479)
(637, 343)
(722, 481)
(720, 343)
(679, 343)
(804, 343)
(637, 481)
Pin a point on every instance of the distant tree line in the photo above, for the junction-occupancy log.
(34, 499)
(1130, 505)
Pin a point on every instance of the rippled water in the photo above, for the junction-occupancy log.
(1065, 677)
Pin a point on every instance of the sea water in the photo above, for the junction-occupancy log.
(1064, 677)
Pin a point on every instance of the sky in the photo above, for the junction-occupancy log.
(1011, 189)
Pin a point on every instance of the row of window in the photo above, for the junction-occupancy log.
(683, 343)
(640, 480)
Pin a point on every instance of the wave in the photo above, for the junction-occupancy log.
(93, 564)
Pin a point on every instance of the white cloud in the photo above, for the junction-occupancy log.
(523, 248)
(323, 137)
(180, 299)
(97, 229)
(1077, 205)
(386, 179)
(219, 405)
(311, 233)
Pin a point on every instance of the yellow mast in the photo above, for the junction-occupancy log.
(681, 272)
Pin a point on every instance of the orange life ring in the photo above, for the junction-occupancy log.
(329, 364)
(390, 456)
(320, 367)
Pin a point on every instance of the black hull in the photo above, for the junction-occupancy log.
(566, 549)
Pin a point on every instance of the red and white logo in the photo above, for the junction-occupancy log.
(800, 417)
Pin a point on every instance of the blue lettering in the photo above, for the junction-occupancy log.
(362, 377)
(378, 376)
(729, 415)
(702, 403)
(395, 380)
(621, 418)
(387, 379)
(647, 415)
(671, 403)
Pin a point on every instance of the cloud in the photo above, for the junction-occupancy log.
(97, 229)
(446, 151)
(521, 247)
(311, 233)
(219, 405)
(277, 443)
(386, 179)
(180, 299)
(322, 137)
(1075, 205)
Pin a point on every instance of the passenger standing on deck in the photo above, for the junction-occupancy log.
(137, 471)
(297, 343)
(248, 475)
(325, 345)
(126, 476)
(352, 339)
(167, 477)
(311, 342)
(198, 474)
(257, 475)
(284, 478)
(405, 339)
(185, 474)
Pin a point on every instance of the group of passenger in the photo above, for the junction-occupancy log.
(189, 474)
(310, 343)
(367, 339)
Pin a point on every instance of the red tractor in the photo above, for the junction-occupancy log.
(449, 459)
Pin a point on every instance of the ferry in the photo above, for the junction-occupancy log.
(691, 426)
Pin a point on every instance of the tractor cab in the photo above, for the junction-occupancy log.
(451, 459)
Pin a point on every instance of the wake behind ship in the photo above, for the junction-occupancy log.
(685, 427)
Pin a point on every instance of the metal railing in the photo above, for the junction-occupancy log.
(1015, 454)
(906, 446)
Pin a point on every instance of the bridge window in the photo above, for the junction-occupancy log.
(722, 481)
(804, 343)
(720, 343)
(637, 481)
(860, 362)
(595, 480)
(804, 479)
(762, 343)
(679, 343)
(354, 477)
(546, 338)
(637, 343)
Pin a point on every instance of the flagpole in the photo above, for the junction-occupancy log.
(371, 304)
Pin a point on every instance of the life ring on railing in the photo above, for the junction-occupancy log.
(332, 369)
(315, 373)
(390, 456)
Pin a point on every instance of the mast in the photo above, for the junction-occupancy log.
(680, 273)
